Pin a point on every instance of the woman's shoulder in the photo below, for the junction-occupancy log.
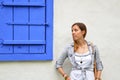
(91, 43)
(69, 45)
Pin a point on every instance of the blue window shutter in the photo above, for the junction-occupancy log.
(26, 30)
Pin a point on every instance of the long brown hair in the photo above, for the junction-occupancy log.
(82, 27)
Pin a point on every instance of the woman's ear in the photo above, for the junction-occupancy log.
(83, 32)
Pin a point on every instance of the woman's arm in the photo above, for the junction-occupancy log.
(60, 61)
(99, 65)
(61, 71)
(98, 75)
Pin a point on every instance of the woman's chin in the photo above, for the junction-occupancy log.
(75, 39)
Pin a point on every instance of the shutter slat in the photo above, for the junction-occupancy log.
(28, 24)
(23, 4)
(23, 42)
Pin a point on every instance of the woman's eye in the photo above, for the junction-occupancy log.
(76, 30)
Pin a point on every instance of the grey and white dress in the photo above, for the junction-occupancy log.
(83, 60)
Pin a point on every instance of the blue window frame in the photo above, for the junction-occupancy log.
(26, 30)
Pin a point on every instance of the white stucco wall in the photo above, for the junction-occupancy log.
(102, 20)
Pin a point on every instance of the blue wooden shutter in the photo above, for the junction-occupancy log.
(26, 30)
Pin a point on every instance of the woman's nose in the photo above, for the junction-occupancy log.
(73, 32)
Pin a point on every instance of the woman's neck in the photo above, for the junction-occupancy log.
(81, 42)
(81, 46)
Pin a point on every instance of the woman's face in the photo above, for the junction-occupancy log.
(77, 33)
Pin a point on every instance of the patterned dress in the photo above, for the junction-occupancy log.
(83, 61)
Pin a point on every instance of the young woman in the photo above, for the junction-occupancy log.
(82, 55)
